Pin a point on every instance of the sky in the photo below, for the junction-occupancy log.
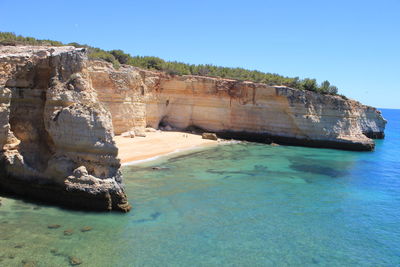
(353, 44)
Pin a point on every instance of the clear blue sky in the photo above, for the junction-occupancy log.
(354, 44)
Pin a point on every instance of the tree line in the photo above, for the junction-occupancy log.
(118, 57)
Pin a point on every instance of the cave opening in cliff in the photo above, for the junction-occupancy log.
(27, 106)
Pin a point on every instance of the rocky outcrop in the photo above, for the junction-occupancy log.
(123, 92)
(56, 137)
(59, 112)
(234, 109)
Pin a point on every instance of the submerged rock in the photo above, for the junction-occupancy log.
(56, 252)
(68, 232)
(28, 263)
(86, 229)
(74, 261)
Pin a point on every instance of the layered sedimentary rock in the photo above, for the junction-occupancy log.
(234, 109)
(59, 112)
(123, 92)
(56, 137)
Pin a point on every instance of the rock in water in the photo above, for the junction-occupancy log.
(54, 251)
(74, 261)
(57, 137)
(211, 136)
(68, 232)
(86, 229)
(59, 112)
(28, 263)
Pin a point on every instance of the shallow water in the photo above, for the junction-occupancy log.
(233, 205)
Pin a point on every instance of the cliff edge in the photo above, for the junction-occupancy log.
(59, 112)
(56, 137)
(234, 109)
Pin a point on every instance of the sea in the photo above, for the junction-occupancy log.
(241, 204)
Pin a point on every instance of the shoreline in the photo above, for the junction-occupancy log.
(158, 144)
(160, 156)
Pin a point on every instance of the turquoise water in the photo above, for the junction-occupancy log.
(234, 205)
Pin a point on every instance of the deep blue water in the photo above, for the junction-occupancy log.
(233, 205)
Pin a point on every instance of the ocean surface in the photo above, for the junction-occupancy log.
(242, 204)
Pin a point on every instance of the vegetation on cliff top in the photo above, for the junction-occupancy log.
(117, 57)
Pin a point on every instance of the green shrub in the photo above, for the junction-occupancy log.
(12, 38)
(118, 57)
(309, 85)
(332, 90)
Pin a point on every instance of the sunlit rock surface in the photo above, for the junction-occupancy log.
(59, 112)
(57, 138)
(234, 109)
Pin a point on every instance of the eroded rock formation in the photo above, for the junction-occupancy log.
(234, 109)
(59, 112)
(57, 138)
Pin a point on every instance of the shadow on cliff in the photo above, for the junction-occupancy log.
(28, 99)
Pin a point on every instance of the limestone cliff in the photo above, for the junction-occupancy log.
(59, 112)
(234, 109)
(57, 138)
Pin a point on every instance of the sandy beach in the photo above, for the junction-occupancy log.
(157, 144)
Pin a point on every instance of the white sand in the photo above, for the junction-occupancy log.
(157, 144)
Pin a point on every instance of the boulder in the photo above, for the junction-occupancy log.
(73, 261)
(140, 132)
(211, 136)
(130, 134)
(150, 130)
(86, 229)
(68, 232)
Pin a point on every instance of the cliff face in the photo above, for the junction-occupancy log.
(57, 138)
(122, 92)
(234, 109)
(59, 111)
